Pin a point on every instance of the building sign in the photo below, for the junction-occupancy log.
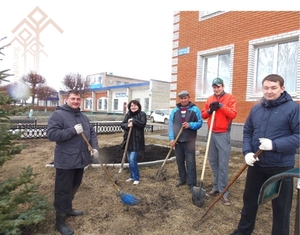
(184, 51)
(119, 95)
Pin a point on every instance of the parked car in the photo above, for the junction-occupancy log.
(160, 115)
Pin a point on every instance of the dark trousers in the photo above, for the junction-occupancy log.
(281, 205)
(67, 183)
(186, 162)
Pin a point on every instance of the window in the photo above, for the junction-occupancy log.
(281, 59)
(146, 105)
(88, 103)
(102, 104)
(105, 104)
(116, 104)
(279, 55)
(212, 64)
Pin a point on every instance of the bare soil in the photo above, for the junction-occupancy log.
(163, 208)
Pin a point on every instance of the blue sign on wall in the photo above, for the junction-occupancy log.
(184, 51)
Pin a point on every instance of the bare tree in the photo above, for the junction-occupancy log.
(44, 92)
(32, 79)
(75, 82)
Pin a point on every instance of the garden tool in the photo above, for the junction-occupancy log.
(198, 193)
(160, 174)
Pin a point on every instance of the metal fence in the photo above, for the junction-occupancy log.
(34, 131)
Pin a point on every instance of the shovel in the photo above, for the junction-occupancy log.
(197, 223)
(160, 174)
(124, 154)
(198, 193)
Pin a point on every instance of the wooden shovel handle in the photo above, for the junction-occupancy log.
(207, 145)
(126, 147)
(170, 151)
(229, 184)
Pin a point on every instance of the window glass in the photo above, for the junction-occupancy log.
(287, 64)
(146, 105)
(100, 104)
(88, 103)
(216, 66)
(105, 104)
(278, 58)
(116, 103)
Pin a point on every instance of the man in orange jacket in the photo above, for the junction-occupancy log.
(224, 105)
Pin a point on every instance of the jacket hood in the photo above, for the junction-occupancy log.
(285, 97)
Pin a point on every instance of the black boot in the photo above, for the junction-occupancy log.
(60, 225)
(74, 213)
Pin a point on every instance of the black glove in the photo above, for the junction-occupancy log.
(214, 106)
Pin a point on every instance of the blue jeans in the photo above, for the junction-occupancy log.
(133, 165)
(186, 162)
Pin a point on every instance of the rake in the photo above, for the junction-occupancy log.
(125, 197)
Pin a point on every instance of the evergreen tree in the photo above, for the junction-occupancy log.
(21, 204)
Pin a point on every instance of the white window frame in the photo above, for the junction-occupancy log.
(90, 105)
(102, 99)
(253, 47)
(201, 55)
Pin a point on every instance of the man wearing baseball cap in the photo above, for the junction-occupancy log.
(188, 116)
(224, 106)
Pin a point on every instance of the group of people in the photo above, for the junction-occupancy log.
(272, 126)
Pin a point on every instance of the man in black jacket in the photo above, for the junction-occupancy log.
(71, 155)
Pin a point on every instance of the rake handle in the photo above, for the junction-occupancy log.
(105, 170)
(229, 184)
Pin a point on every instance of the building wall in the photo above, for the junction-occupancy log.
(124, 94)
(108, 79)
(237, 28)
(160, 95)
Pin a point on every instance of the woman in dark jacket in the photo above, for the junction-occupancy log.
(136, 119)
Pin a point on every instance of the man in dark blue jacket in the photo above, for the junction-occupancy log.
(272, 126)
(71, 155)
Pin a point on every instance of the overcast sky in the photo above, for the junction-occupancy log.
(126, 38)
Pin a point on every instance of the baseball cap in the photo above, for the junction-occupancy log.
(183, 93)
(217, 81)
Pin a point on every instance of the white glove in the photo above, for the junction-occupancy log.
(78, 128)
(265, 144)
(249, 159)
(94, 153)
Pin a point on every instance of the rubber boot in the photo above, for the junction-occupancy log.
(74, 213)
(60, 225)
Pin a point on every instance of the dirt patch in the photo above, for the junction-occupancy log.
(114, 154)
(163, 209)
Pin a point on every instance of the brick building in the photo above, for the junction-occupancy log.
(241, 47)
